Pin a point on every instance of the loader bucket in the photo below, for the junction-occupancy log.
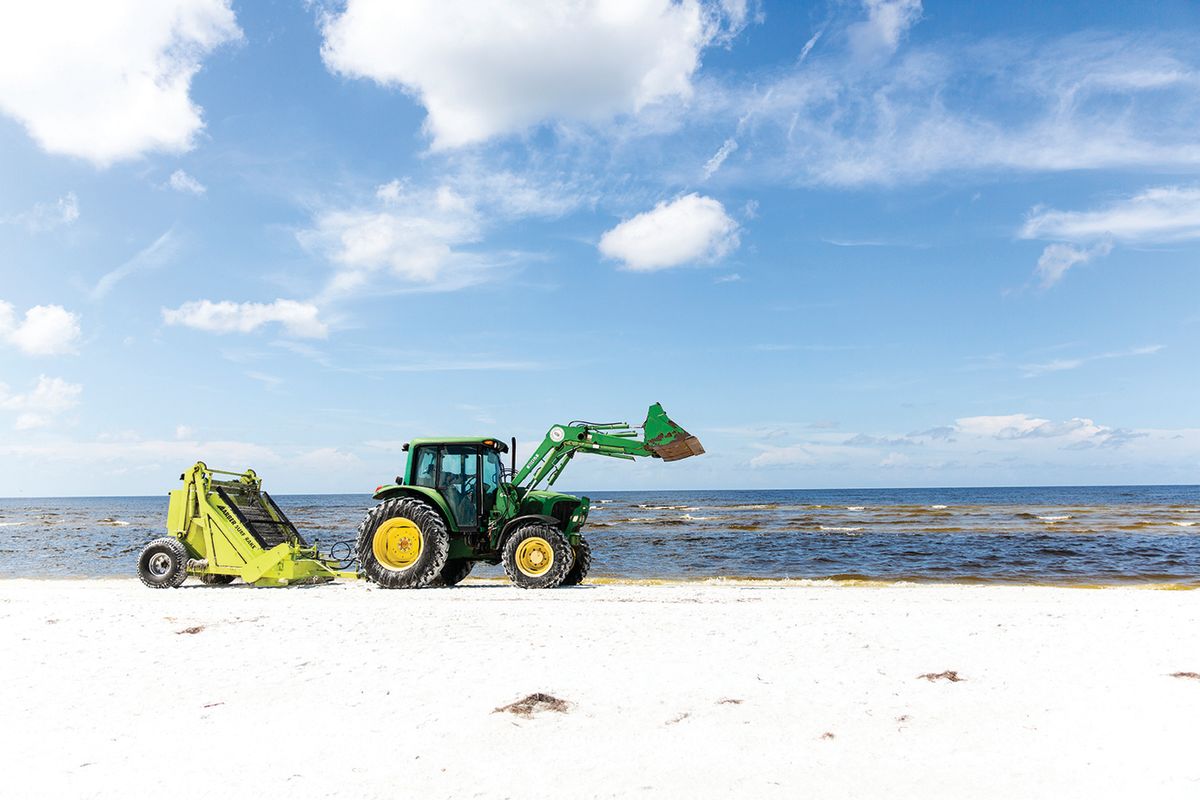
(666, 440)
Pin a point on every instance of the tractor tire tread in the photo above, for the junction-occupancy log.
(435, 544)
(583, 563)
(453, 573)
(564, 556)
(179, 556)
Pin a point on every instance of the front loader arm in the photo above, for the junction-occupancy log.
(662, 438)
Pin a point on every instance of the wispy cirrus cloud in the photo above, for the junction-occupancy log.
(45, 217)
(1061, 364)
(1074, 102)
(880, 33)
(1000, 439)
(1057, 259)
(1156, 215)
(151, 257)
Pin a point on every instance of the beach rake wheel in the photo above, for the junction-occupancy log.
(583, 563)
(216, 580)
(162, 564)
(537, 556)
(403, 544)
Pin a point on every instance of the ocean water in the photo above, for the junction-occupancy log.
(1060, 535)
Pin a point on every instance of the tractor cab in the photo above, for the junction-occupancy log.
(465, 472)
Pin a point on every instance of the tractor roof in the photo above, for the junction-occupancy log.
(491, 441)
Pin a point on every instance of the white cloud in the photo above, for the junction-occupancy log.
(718, 158)
(1061, 364)
(420, 237)
(774, 456)
(1083, 101)
(48, 216)
(183, 432)
(298, 319)
(1162, 214)
(483, 68)
(153, 256)
(687, 230)
(414, 237)
(39, 407)
(879, 35)
(44, 330)
(108, 81)
(1075, 433)
(180, 181)
(1056, 259)
(1005, 444)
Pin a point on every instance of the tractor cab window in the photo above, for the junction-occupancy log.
(491, 479)
(425, 467)
(458, 482)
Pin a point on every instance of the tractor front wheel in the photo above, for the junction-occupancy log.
(403, 544)
(583, 563)
(537, 556)
(163, 564)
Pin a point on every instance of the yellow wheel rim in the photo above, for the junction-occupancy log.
(397, 543)
(535, 556)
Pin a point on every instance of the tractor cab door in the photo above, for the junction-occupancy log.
(493, 469)
(452, 469)
(458, 481)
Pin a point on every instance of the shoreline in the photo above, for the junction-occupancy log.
(719, 580)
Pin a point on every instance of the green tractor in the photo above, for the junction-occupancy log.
(456, 505)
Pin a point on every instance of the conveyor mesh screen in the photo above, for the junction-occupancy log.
(258, 512)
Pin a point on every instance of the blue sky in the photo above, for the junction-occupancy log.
(877, 243)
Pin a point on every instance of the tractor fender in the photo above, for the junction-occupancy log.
(391, 490)
(517, 522)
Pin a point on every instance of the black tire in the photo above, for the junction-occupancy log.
(583, 563)
(433, 548)
(162, 564)
(216, 580)
(544, 576)
(453, 573)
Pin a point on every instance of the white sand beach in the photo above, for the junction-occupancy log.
(110, 689)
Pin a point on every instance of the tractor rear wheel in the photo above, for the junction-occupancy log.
(403, 544)
(163, 564)
(453, 573)
(216, 580)
(537, 556)
(583, 562)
